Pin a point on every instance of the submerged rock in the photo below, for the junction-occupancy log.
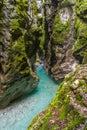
(68, 110)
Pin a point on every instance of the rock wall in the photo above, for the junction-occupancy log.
(19, 42)
(60, 38)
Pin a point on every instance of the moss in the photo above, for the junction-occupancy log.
(81, 28)
(66, 116)
(18, 59)
(19, 43)
(79, 98)
(1, 4)
(65, 3)
(24, 38)
(35, 9)
(77, 120)
(80, 47)
(85, 57)
(81, 9)
(60, 30)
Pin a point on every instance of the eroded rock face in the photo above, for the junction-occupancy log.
(19, 42)
(60, 39)
(68, 110)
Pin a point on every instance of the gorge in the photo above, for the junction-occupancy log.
(53, 33)
(18, 114)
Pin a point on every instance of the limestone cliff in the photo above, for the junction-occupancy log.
(19, 42)
(60, 38)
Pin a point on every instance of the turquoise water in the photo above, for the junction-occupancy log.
(18, 115)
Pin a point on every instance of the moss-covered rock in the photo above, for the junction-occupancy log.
(16, 88)
(68, 110)
(81, 9)
(59, 30)
(80, 47)
(19, 42)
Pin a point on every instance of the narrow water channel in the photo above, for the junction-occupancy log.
(18, 115)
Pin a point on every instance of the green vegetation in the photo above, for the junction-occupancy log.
(24, 38)
(80, 48)
(67, 109)
(60, 30)
(81, 9)
(17, 59)
(62, 109)
(19, 43)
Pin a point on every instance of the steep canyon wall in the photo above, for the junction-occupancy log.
(60, 38)
(19, 42)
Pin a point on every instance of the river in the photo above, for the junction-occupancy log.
(18, 115)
